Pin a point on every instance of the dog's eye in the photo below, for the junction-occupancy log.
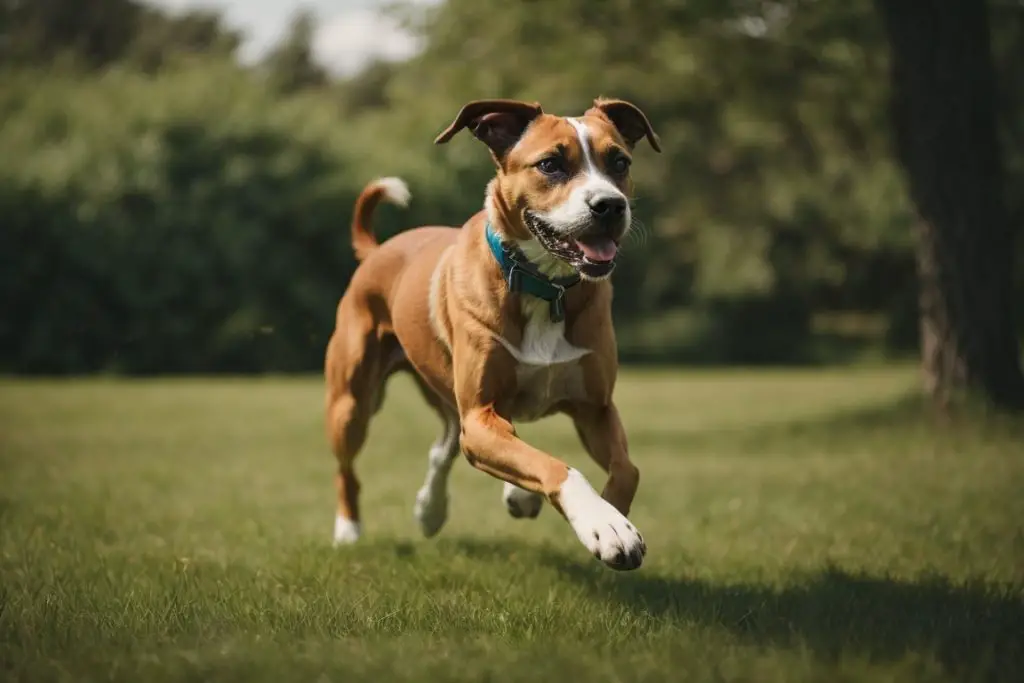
(620, 165)
(551, 166)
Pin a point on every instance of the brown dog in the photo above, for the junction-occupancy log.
(506, 319)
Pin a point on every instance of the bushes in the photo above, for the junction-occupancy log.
(196, 219)
(175, 224)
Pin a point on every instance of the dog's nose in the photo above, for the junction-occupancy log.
(607, 206)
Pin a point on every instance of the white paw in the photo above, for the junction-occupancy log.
(600, 527)
(521, 503)
(345, 531)
(431, 510)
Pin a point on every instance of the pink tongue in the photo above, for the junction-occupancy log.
(598, 248)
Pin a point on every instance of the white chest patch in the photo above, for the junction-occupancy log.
(544, 341)
(548, 370)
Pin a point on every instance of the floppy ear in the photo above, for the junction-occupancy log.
(497, 123)
(628, 119)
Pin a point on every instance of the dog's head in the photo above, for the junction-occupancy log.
(564, 182)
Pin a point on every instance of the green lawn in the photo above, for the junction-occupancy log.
(801, 526)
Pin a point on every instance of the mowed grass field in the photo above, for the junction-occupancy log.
(801, 526)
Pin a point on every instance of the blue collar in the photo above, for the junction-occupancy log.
(523, 277)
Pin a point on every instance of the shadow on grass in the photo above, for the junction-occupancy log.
(975, 630)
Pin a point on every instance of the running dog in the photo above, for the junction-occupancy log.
(506, 319)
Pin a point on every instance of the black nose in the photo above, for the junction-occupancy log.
(607, 207)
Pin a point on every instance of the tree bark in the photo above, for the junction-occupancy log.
(943, 112)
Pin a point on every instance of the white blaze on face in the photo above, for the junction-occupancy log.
(574, 214)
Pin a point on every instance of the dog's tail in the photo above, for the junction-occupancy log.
(391, 190)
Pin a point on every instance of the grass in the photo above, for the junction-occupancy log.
(802, 526)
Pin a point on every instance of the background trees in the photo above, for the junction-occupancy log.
(944, 120)
(168, 209)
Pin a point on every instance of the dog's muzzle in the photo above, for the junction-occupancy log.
(592, 250)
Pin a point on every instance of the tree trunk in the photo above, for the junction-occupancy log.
(943, 111)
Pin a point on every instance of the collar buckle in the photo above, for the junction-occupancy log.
(515, 276)
(556, 308)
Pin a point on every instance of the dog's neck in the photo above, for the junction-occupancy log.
(535, 253)
(543, 340)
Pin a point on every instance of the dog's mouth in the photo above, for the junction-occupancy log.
(589, 252)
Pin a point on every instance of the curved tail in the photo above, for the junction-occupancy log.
(391, 190)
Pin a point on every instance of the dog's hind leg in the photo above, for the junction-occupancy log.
(431, 509)
(521, 503)
(356, 365)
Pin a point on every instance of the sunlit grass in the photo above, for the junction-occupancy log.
(802, 526)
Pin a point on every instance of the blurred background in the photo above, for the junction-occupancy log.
(177, 177)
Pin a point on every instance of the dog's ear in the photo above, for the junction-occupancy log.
(628, 119)
(497, 123)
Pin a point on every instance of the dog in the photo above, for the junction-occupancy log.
(506, 319)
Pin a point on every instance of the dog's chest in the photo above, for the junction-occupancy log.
(548, 370)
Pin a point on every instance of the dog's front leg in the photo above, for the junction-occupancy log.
(490, 444)
(601, 431)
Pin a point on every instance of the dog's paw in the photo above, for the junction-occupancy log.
(431, 510)
(521, 503)
(605, 531)
(346, 531)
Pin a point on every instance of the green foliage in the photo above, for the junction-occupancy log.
(167, 209)
(94, 34)
(775, 182)
(290, 67)
(206, 229)
(774, 144)
(44, 31)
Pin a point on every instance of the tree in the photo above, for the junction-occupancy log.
(92, 34)
(290, 65)
(95, 34)
(943, 112)
(159, 37)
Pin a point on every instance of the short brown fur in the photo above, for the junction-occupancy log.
(384, 325)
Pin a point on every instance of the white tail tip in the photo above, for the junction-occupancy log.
(395, 190)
